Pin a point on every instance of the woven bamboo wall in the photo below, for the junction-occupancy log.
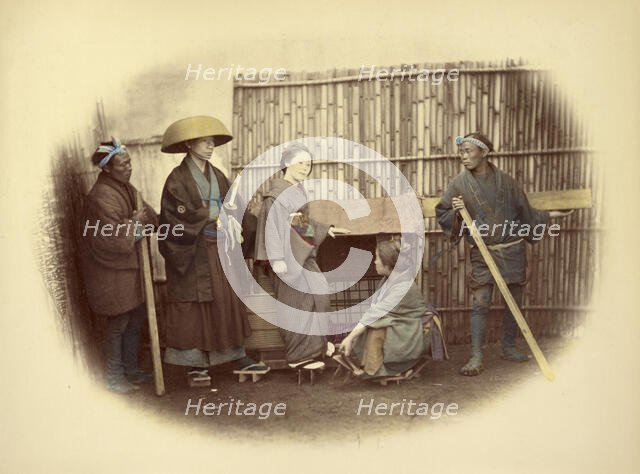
(63, 199)
(537, 136)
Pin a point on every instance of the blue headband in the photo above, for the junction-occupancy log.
(116, 149)
(473, 141)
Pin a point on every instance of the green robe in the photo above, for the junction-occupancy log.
(404, 342)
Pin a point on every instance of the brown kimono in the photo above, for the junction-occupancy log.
(110, 266)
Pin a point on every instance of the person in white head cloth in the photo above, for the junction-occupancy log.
(291, 234)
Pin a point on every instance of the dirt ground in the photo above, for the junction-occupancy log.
(329, 410)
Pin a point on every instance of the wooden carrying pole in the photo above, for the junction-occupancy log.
(544, 201)
(158, 378)
(504, 289)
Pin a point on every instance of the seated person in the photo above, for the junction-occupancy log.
(389, 339)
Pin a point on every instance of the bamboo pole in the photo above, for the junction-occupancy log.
(158, 378)
(506, 294)
(396, 119)
(357, 78)
(386, 140)
(285, 106)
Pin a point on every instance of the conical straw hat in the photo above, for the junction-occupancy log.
(193, 127)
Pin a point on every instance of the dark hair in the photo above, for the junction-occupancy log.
(388, 251)
(292, 150)
(98, 155)
(396, 256)
(482, 138)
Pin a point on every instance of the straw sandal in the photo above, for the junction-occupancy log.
(473, 367)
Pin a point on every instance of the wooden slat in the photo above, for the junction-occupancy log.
(561, 200)
(257, 322)
(543, 200)
(263, 339)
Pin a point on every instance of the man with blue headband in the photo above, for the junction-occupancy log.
(111, 231)
(497, 203)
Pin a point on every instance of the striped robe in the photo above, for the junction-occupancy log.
(298, 347)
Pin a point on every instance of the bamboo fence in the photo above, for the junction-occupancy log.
(538, 138)
(63, 199)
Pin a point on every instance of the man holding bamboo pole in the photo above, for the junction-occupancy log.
(113, 281)
(500, 210)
